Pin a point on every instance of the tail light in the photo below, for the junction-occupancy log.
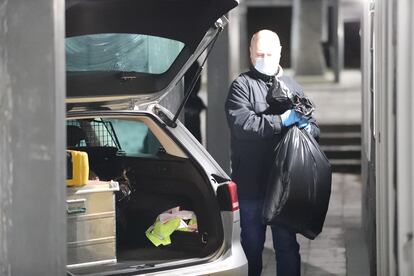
(227, 197)
(232, 187)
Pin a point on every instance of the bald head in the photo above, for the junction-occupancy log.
(265, 44)
(266, 37)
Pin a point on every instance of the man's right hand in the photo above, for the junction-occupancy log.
(290, 117)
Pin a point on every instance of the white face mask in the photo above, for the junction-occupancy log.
(267, 66)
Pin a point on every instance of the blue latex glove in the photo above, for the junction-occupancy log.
(303, 123)
(290, 117)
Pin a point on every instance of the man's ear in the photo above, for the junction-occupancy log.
(250, 55)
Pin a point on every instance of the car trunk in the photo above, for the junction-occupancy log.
(157, 182)
(128, 54)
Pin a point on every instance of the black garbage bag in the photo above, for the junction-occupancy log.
(299, 185)
(280, 98)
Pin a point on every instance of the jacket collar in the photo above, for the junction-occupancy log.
(257, 75)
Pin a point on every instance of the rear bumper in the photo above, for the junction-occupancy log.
(233, 263)
(236, 264)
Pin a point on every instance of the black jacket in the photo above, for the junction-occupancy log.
(254, 134)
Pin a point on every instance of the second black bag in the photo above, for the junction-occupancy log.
(299, 185)
(280, 98)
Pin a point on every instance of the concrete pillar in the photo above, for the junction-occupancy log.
(234, 35)
(223, 67)
(218, 78)
(244, 39)
(338, 40)
(325, 22)
(307, 55)
(32, 138)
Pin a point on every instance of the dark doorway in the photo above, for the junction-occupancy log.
(352, 49)
(328, 46)
(277, 19)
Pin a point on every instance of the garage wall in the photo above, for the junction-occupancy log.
(32, 138)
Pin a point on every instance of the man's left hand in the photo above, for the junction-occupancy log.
(304, 123)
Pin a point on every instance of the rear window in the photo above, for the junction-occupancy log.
(135, 138)
(121, 52)
(132, 138)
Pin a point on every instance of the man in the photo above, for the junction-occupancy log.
(254, 134)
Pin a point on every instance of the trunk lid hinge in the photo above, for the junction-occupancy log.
(137, 105)
(164, 117)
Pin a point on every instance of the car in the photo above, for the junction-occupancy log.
(125, 61)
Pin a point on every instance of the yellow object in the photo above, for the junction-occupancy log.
(170, 221)
(160, 233)
(78, 168)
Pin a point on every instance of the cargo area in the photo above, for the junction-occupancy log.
(150, 183)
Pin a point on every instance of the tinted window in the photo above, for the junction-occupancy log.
(91, 133)
(135, 137)
(121, 52)
(131, 137)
